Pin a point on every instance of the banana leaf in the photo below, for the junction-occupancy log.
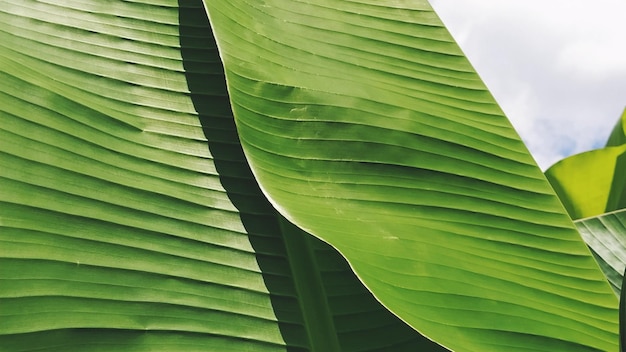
(618, 135)
(365, 125)
(606, 236)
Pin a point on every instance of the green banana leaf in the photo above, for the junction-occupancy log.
(377, 136)
(131, 221)
(622, 317)
(618, 135)
(606, 236)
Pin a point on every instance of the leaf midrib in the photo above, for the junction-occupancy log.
(318, 320)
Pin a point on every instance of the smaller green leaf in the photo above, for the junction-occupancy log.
(622, 319)
(591, 183)
(606, 236)
(618, 135)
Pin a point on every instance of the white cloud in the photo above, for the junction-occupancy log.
(593, 58)
(557, 67)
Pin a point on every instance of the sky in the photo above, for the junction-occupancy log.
(556, 67)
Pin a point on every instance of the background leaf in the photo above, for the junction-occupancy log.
(591, 183)
(366, 126)
(618, 135)
(606, 236)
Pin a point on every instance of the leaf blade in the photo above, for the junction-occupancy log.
(604, 234)
(325, 133)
